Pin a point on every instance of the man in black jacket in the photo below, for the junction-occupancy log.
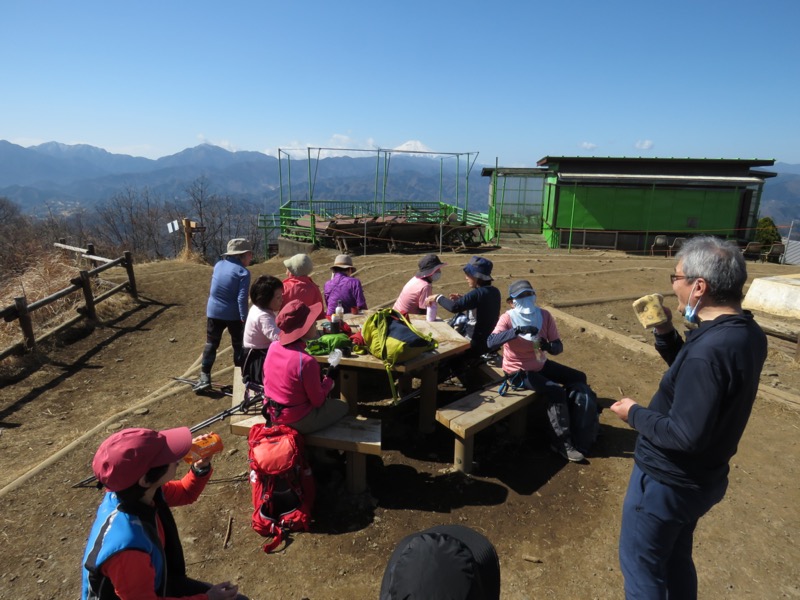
(694, 422)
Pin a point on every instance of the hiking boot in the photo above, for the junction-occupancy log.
(569, 452)
(203, 384)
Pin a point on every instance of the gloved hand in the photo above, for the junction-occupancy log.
(545, 346)
(332, 372)
(526, 329)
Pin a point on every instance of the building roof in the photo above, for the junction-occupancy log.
(675, 179)
(514, 171)
(750, 162)
(707, 169)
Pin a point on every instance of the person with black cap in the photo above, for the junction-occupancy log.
(528, 334)
(134, 550)
(481, 304)
(449, 562)
(413, 297)
(295, 394)
(227, 306)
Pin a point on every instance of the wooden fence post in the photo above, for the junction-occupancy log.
(187, 235)
(131, 278)
(90, 251)
(28, 341)
(86, 284)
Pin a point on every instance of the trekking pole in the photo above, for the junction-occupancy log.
(239, 409)
(221, 416)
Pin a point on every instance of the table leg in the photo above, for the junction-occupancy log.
(348, 388)
(356, 471)
(427, 402)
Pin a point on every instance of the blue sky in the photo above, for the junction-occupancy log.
(515, 81)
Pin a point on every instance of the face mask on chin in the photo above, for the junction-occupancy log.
(690, 312)
(436, 276)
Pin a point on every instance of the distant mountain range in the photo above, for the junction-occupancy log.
(62, 177)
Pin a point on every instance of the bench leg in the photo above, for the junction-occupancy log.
(348, 389)
(517, 422)
(429, 386)
(462, 458)
(356, 470)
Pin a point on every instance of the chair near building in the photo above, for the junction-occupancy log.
(660, 244)
(752, 251)
(774, 254)
(675, 245)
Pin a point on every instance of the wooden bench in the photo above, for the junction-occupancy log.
(355, 436)
(473, 413)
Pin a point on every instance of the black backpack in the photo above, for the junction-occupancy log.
(584, 416)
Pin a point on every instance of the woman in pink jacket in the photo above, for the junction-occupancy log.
(295, 394)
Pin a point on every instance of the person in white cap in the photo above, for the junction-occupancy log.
(298, 284)
(342, 288)
(227, 306)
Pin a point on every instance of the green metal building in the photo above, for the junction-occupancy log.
(630, 204)
(624, 203)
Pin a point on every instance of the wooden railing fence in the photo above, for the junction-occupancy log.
(21, 310)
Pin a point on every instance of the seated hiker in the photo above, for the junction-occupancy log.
(528, 334)
(413, 297)
(342, 288)
(134, 550)
(298, 284)
(260, 330)
(294, 395)
(447, 561)
(481, 304)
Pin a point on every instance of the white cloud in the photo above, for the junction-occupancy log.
(644, 144)
(225, 144)
(587, 146)
(413, 146)
(341, 144)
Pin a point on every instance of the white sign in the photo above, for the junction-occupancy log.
(172, 227)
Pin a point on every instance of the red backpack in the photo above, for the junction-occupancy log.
(282, 483)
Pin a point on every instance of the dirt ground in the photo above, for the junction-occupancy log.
(554, 524)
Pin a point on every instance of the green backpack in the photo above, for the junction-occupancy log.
(327, 343)
(389, 336)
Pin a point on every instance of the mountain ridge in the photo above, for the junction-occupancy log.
(68, 177)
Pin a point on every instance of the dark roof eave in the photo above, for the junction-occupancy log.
(753, 162)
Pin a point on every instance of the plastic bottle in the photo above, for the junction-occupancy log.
(537, 348)
(335, 357)
(204, 448)
(430, 313)
(340, 311)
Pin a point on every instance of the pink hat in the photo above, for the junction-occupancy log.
(295, 319)
(126, 456)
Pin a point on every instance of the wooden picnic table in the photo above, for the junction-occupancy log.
(424, 366)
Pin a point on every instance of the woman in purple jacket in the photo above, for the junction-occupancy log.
(343, 288)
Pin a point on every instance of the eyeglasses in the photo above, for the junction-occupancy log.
(674, 278)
